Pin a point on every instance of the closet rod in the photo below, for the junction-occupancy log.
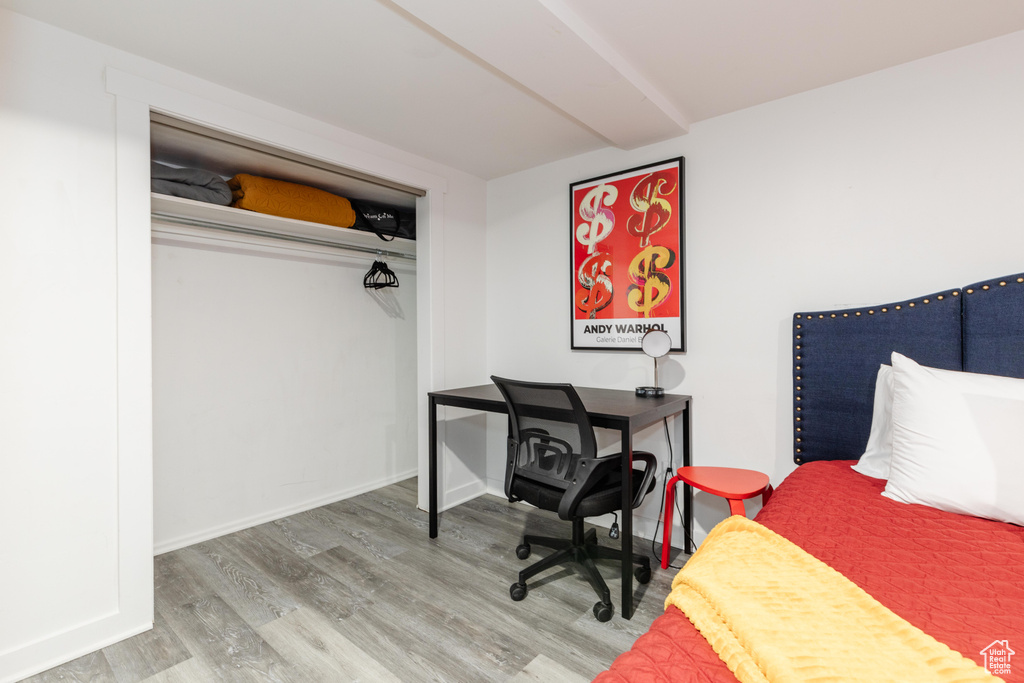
(197, 223)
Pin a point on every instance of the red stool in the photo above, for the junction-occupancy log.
(733, 484)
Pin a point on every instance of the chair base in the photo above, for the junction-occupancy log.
(581, 550)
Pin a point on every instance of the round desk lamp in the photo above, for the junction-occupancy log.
(655, 343)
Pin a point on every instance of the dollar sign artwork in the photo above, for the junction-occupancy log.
(599, 220)
(653, 210)
(652, 287)
(594, 276)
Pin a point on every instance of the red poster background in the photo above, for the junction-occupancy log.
(627, 256)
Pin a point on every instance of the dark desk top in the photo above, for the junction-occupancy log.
(606, 407)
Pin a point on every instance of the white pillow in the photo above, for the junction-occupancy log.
(958, 441)
(875, 460)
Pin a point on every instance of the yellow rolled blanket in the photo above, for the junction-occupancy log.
(773, 612)
(290, 200)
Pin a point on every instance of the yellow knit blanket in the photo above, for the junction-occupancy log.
(774, 613)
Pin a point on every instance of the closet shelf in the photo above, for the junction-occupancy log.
(212, 216)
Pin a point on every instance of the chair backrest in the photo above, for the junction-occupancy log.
(550, 432)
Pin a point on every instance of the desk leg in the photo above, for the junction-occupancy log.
(627, 523)
(432, 468)
(687, 489)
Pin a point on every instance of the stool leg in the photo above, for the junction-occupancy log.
(736, 507)
(666, 538)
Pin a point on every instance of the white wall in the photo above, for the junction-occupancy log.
(58, 393)
(279, 382)
(888, 186)
(76, 550)
(464, 330)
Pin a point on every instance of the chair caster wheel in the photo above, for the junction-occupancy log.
(523, 551)
(642, 574)
(517, 591)
(603, 611)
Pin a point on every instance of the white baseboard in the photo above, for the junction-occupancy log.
(462, 494)
(60, 648)
(168, 545)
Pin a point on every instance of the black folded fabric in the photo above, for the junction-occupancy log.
(190, 183)
(388, 222)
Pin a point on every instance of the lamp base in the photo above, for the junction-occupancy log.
(650, 392)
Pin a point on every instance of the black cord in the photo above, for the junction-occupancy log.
(661, 507)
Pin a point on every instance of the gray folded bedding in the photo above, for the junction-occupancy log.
(190, 183)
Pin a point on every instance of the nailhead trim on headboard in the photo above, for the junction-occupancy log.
(851, 378)
(988, 285)
(800, 319)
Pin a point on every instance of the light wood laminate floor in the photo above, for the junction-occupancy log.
(356, 591)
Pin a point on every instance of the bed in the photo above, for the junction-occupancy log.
(959, 578)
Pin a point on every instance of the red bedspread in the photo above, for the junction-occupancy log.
(960, 579)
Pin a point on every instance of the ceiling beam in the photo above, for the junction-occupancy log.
(545, 47)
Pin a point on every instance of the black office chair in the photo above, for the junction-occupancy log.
(553, 464)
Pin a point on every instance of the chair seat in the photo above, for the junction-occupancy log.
(730, 483)
(604, 498)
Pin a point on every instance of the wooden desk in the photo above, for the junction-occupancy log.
(608, 409)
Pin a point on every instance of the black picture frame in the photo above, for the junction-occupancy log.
(627, 257)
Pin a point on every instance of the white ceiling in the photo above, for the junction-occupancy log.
(496, 87)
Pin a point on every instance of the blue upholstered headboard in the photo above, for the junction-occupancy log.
(836, 355)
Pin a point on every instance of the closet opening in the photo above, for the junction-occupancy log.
(280, 381)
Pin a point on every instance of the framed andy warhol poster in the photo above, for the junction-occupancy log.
(627, 257)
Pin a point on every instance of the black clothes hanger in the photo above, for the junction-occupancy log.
(380, 276)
